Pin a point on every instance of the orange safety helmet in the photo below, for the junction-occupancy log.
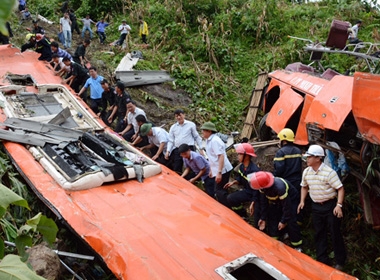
(261, 180)
(245, 148)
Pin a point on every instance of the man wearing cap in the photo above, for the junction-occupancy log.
(220, 166)
(96, 90)
(182, 132)
(124, 29)
(196, 164)
(278, 210)
(327, 194)
(158, 139)
(119, 111)
(130, 132)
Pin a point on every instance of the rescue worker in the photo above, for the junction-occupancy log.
(327, 194)
(43, 47)
(245, 153)
(279, 209)
(288, 159)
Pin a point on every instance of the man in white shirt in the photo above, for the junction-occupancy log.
(124, 29)
(182, 132)
(65, 28)
(353, 37)
(158, 139)
(220, 166)
(131, 131)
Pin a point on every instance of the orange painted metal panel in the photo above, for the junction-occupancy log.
(365, 105)
(163, 228)
(301, 133)
(303, 82)
(333, 103)
(283, 109)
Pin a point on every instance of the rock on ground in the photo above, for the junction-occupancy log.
(44, 262)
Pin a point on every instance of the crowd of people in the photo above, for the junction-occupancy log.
(276, 199)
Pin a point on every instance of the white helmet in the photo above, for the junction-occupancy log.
(315, 150)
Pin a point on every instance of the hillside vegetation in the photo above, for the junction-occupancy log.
(216, 48)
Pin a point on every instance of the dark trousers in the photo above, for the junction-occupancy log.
(143, 37)
(177, 161)
(236, 199)
(208, 183)
(325, 222)
(102, 36)
(121, 39)
(128, 135)
(275, 213)
(95, 104)
(221, 193)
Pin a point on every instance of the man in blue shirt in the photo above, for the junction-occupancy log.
(96, 90)
(199, 166)
(100, 30)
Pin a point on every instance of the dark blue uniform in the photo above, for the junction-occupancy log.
(281, 205)
(288, 164)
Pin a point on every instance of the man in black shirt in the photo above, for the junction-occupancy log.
(120, 109)
(37, 29)
(108, 101)
(79, 55)
(43, 47)
(77, 75)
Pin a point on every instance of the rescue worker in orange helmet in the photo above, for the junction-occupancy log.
(279, 209)
(245, 153)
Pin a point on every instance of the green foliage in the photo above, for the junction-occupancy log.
(6, 9)
(12, 268)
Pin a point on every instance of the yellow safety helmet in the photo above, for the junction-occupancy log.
(286, 134)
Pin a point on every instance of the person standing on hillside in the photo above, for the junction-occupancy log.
(80, 52)
(182, 132)
(96, 90)
(101, 30)
(74, 23)
(327, 194)
(220, 166)
(65, 28)
(144, 32)
(124, 30)
(87, 25)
